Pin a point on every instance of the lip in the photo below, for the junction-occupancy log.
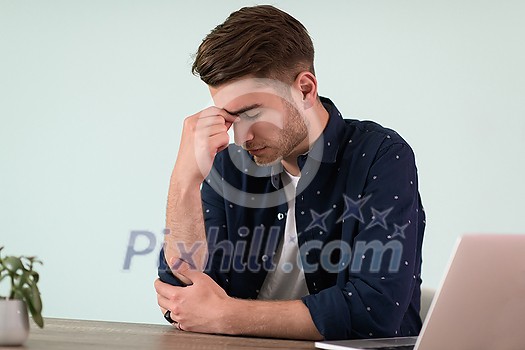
(257, 152)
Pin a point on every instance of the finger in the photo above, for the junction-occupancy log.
(170, 317)
(186, 270)
(158, 286)
(165, 304)
(216, 137)
(219, 142)
(208, 117)
(166, 290)
(229, 118)
(205, 121)
(214, 130)
(230, 123)
(163, 310)
(222, 148)
(167, 317)
(211, 111)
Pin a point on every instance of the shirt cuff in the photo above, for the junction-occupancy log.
(165, 274)
(329, 311)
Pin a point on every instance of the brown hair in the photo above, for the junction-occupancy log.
(262, 41)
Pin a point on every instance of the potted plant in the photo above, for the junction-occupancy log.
(22, 294)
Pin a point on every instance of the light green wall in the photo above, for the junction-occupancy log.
(92, 95)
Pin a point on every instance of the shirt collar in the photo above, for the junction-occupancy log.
(325, 148)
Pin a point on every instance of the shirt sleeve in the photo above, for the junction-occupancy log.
(376, 291)
(164, 271)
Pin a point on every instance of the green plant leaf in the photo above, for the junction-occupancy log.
(26, 296)
(13, 264)
(38, 320)
(33, 260)
(35, 275)
(23, 279)
(34, 305)
(35, 298)
(26, 292)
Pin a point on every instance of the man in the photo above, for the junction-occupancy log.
(310, 226)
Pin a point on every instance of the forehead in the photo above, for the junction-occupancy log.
(237, 94)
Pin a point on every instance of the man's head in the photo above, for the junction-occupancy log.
(258, 65)
(260, 41)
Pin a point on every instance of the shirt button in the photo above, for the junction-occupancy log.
(264, 257)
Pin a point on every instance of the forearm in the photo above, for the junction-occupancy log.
(184, 220)
(276, 319)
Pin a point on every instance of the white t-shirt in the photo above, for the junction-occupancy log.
(287, 281)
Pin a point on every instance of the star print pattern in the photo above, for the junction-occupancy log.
(318, 220)
(379, 218)
(399, 231)
(353, 209)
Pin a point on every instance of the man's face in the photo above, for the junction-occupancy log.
(270, 126)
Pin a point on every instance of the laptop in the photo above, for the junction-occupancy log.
(480, 303)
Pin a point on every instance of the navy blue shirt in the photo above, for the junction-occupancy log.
(359, 221)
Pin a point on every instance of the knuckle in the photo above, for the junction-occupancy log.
(173, 296)
(175, 310)
(189, 122)
(225, 138)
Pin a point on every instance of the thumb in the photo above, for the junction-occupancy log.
(184, 269)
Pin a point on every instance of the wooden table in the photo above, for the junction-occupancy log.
(61, 334)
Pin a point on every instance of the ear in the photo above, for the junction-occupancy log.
(306, 84)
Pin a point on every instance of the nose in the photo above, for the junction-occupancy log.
(242, 132)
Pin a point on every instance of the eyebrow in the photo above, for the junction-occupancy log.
(243, 109)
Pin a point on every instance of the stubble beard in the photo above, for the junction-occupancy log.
(292, 134)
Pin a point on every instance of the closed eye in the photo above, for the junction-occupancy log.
(252, 114)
